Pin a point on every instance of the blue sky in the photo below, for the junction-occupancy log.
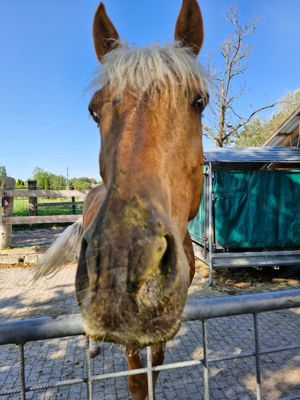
(47, 61)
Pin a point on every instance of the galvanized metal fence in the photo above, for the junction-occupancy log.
(20, 332)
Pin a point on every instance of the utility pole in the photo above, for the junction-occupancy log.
(67, 183)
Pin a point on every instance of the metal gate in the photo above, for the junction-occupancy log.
(20, 332)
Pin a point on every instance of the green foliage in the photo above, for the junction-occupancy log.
(20, 184)
(3, 172)
(83, 183)
(46, 183)
(57, 182)
(47, 180)
(259, 130)
(40, 176)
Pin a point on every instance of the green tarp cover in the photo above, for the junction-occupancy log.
(257, 209)
(196, 226)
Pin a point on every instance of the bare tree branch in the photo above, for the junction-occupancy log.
(235, 52)
(247, 120)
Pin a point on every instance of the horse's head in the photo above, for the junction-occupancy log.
(133, 273)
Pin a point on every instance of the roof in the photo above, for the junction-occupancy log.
(289, 125)
(252, 155)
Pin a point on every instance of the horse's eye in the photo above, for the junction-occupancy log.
(95, 116)
(199, 103)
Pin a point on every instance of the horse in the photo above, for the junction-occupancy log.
(136, 258)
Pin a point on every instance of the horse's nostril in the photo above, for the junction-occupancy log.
(168, 259)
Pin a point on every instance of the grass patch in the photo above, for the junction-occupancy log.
(21, 207)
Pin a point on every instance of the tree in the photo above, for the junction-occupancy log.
(19, 184)
(259, 130)
(226, 122)
(3, 172)
(46, 183)
(41, 177)
(82, 183)
(47, 180)
(58, 182)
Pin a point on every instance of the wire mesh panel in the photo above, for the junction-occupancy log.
(245, 310)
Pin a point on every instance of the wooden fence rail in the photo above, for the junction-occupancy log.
(7, 195)
(53, 194)
(42, 219)
(60, 203)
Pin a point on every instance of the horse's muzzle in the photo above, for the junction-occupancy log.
(132, 280)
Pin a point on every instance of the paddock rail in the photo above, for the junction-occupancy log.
(7, 195)
(20, 332)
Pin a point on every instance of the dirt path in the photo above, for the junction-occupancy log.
(35, 237)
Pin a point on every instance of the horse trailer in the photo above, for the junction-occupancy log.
(249, 214)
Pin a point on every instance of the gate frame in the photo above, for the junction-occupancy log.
(20, 332)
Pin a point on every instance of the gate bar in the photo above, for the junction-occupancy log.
(22, 372)
(150, 374)
(257, 358)
(226, 306)
(205, 361)
(20, 332)
(89, 383)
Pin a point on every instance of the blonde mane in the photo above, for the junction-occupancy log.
(152, 67)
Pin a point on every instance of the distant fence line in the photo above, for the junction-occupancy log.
(7, 195)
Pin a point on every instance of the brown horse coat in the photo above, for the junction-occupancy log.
(136, 260)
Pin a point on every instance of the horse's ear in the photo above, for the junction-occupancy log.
(189, 26)
(105, 34)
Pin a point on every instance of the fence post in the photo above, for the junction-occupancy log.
(32, 200)
(73, 205)
(6, 210)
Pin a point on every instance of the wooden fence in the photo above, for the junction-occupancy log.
(7, 194)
